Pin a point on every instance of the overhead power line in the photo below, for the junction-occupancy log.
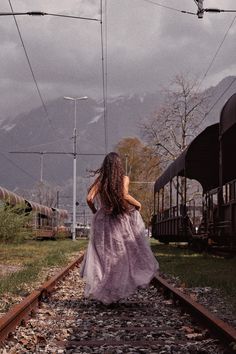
(28, 60)
(31, 70)
(18, 167)
(41, 13)
(199, 13)
(215, 103)
(41, 154)
(216, 53)
(56, 153)
(169, 7)
(161, 5)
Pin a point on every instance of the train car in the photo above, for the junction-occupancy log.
(176, 218)
(222, 202)
(210, 160)
(46, 221)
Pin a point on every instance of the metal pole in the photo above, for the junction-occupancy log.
(74, 179)
(75, 99)
(58, 199)
(41, 167)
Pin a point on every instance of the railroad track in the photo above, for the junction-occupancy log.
(146, 322)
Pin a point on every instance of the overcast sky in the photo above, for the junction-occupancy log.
(146, 46)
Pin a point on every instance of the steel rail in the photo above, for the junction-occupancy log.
(22, 311)
(224, 331)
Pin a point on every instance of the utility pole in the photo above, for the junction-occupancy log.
(75, 99)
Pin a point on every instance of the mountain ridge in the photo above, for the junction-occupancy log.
(35, 131)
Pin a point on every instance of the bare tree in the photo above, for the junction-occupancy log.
(176, 123)
(42, 193)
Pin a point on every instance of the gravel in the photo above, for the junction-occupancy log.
(213, 299)
(144, 323)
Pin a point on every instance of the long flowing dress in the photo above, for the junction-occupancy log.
(118, 258)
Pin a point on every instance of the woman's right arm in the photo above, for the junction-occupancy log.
(131, 200)
(90, 198)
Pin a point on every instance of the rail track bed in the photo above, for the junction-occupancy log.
(146, 322)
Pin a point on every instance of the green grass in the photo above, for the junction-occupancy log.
(197, 270)
(32, 257)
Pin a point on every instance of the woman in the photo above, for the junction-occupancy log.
(118, 258)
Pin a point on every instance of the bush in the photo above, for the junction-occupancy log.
(13, 224)
(61, 234)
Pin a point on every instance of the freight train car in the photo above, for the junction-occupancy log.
(45, 221)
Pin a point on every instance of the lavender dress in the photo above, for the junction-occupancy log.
(118, 258)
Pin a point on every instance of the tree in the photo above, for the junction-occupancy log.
(177, 122)
(42, 193)
(142, 167)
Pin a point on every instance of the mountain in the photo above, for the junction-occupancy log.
(37, 132)
(52, 132)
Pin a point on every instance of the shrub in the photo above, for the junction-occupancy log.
(13, 224)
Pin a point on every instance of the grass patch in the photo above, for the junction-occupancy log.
(197, 270)
(32, 257)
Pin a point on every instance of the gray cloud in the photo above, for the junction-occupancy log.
(146, 46)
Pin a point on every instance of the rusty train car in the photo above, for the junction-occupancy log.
(45, 221)
(210, 159)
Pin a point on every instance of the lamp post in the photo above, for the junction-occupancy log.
(75, 99)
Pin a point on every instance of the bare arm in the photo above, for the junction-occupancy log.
(131, 200)
(90, 198)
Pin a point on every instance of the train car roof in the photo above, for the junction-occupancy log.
(199, 161)
(14, 199)
(39, 208)
(10, 197)
(228, 115)
(62, 213)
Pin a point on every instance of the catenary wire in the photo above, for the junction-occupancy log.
(169, 7)
(76, 17)
(34, 78)
(18, 167)
(48, 143)
(215, 103)
(32, 72)
(52, 127)
(28, 60)
(41, 13)
(216, 53)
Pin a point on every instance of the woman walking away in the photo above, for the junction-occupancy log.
(118, 258)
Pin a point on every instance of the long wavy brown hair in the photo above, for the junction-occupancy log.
(110, 182)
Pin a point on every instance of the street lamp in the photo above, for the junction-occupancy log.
(75, 99)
